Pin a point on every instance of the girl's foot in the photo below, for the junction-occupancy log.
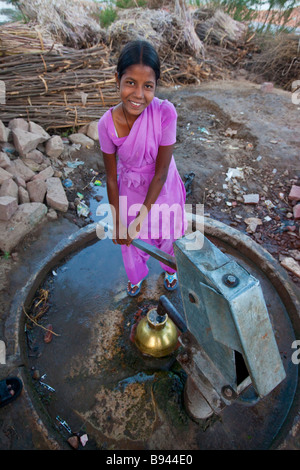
(134, 289)
(170, 281)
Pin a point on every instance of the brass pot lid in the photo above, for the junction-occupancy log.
(155, 320)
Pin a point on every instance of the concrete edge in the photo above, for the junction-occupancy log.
(14, 325)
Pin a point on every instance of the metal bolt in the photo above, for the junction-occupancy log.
(185, 340)
(184, 357)
(228, 392)
(230, 280)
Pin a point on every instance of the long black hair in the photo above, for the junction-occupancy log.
(138, 52)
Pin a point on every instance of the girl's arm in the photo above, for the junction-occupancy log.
(110, 163)
(163, 160)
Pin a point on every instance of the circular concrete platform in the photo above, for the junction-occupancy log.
(104, 386)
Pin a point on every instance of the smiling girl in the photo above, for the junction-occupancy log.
(143, 184)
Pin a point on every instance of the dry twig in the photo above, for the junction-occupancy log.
(37, 324)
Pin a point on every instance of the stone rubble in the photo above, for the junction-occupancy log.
(54, 147)
(273, 214)
(31, 172)
(251, 198)
(4, 175)
(291, 265)
(81, 139)
(23, 221)
(9, 188)
(56, 197)
(4, 160)
(25, 141)
(4, 132)
(8, 206)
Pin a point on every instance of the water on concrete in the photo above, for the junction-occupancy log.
(122, 399)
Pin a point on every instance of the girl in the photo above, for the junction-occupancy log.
(143, 185)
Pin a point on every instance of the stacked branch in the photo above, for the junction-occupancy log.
(167, 32)
(73, 23)
(189, 34)
(67, 59)
(279, 60)
(172, 34)
(54, 117)
(59, 87)
(18, 38)
(68, 89)
(216, 27)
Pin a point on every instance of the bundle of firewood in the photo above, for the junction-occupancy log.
(56, 90)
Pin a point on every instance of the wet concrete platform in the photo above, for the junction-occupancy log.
(103, 386)
(21, 427)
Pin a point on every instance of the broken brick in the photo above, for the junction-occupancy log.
(251, 198)
(267, 87)
(294, 193)
(296, 211)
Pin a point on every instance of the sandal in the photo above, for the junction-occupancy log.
(170, 278)
(138, 290)
(10, 389)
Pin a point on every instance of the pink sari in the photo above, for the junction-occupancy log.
(137, 153)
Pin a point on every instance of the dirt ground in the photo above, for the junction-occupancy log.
(253, 131)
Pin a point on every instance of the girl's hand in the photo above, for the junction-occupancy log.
(124, 235)
(120, 235)
(134, 228)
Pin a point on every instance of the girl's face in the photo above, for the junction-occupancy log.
(137, 88)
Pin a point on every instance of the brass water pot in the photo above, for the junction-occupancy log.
(156, 335)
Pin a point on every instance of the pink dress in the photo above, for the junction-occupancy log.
(137, 153)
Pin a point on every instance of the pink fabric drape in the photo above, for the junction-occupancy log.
(137, 152)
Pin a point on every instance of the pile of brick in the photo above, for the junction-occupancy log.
(31, 184)
(294, 198)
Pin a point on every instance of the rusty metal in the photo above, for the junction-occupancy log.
(165, 306)
(230, 280)
(151, 250)
(155, 253)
